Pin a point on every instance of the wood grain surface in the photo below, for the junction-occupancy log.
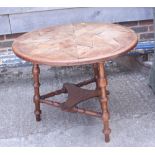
(75, 44)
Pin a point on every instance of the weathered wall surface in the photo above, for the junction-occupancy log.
(18, 20)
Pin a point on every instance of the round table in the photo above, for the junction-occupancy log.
(75, 44)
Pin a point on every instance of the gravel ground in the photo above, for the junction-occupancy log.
(132, 109)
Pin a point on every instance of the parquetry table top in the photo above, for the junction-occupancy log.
(75, 44)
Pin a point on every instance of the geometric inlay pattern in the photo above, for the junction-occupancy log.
(74, 44)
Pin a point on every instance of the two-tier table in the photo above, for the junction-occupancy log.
(70, 45)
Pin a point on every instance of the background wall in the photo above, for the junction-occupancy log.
(17, 20)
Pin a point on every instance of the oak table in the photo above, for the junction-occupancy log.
(75, 44)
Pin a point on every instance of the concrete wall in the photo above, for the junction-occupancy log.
(18, 20)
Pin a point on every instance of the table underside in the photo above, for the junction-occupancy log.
(76, 95)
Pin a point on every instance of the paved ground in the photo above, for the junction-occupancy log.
(132, 108)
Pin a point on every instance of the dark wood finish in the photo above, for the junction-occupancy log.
(75, 44)
(74, 109)
(95, 67)
(63, 89)
(36, 98)
(77, 95)
(104, 100)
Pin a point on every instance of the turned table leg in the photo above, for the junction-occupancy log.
(36, 98)
(95, 67)
(104, 100)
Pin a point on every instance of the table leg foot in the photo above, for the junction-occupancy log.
(104, 101)
(107, 138)
(37, 114)
(36, 98)
(38, 118)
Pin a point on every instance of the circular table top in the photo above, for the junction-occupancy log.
(74, 44)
